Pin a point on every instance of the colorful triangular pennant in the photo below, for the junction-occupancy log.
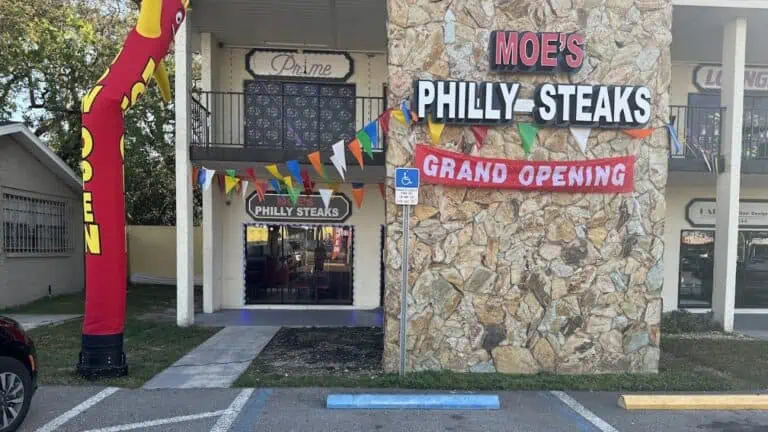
(435, 130)
(293, 194)
(480, 132)
(528, 133)
(244, 184)
(272, 169)
(673, 134)
(365, 141)
(339, 158)
(275, 185)
(251, 174)
(295, 169)
(581, 136)
(398, 115)
(325, 195)
(354, 147)
(260, 187)
(384, 121)
(229, 183)
(406, 112)
(638, 133)
(309, 185)
(314, 159)
(208, 175)
(358, 192)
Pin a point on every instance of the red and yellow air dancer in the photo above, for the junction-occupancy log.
(103, 107)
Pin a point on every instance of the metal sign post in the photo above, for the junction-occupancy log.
(406, 195)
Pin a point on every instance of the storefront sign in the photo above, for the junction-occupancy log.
(308, 209)
(513, 51)
(710, 77)
(440, 166)
(702, 212)
(305, 65)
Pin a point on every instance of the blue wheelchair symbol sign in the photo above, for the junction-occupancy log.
(406, 178)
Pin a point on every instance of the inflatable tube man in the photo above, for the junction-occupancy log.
(103, 107)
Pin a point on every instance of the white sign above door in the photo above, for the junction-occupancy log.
(702, 212)
(304, 65)
(710, 77)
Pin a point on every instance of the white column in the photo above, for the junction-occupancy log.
(185, 268)
(729, 183)
(210, 211)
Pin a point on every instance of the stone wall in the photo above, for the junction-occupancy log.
(526, 282)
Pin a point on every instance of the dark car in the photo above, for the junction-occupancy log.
(18, 374)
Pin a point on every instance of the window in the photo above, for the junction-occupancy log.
(290, 115)
(36, 226)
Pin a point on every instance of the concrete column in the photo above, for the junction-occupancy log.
(185, 268)
(729, 183)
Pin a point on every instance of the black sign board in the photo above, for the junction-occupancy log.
(308, 209)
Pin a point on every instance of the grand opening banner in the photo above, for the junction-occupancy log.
(609, 175)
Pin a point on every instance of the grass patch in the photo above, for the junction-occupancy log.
(151, 345)
(676, 322)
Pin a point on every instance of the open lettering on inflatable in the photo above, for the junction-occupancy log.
(103, 107)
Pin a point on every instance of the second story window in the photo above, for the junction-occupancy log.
(291, 115)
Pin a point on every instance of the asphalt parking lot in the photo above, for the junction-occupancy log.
(220, 410)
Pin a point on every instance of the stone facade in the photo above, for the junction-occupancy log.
(519, 282)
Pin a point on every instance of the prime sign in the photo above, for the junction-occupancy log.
(557, 105)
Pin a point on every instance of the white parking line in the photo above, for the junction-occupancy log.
(74, 412)
(225, 422)
(584, 412)
(159, 422)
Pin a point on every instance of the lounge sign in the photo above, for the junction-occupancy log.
(304, 65)
(557, 105)
(308, 208)
(710, 77)
(702, 212)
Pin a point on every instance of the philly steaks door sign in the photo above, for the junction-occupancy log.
(308, 209)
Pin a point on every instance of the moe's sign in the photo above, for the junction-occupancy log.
(557, 105)
(308, 208)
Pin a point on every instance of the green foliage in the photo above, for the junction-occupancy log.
(675, 322)
(51, 52)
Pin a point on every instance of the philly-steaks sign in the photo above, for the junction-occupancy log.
(308, 208)
(557, 105)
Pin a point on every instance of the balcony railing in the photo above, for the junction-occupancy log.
(270, 118)
(699, 133)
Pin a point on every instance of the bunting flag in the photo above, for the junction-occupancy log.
(673, 134)
(581, 136)
(528, 133)
(365, 141)
(195, 176)
(325, 194)
(354, 147)
(334, 187)
(384, 121)
(274, 171)
(232, 173)
(244, 184)
(480, 132)
(208, 175)
(275, 185)
(220, 181)
(339, 158)
(260, 187)
(435, 130)
(383, 190)
(295, 169)
(406, 112)
(293, 194)
(398, 115)
(638, 133)
(314, 159)
(357, 193)
(372, 130)
(229, 183)
(309, 185)
(251, 174)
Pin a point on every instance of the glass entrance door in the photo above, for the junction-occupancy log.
(293, 264)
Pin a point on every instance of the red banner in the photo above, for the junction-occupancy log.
(610, 175)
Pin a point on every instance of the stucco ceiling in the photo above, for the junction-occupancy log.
(354, 25)
(697, 33)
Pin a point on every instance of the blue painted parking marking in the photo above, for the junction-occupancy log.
(251, 412)
(406, 178)
(414, 401)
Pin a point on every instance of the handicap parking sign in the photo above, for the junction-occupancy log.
(406, 186)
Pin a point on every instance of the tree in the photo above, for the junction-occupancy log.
(51, 52)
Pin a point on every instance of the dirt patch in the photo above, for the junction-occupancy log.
(322, 351)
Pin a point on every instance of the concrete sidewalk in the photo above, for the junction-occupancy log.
(216, 363)
(31, 321)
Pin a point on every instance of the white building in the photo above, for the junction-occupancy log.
(263, 82)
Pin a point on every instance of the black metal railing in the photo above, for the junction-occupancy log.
(699, 131)
(284, 118)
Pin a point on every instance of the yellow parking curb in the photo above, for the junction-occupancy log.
(694, 402)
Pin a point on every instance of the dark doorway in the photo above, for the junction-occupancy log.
(295, 264)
